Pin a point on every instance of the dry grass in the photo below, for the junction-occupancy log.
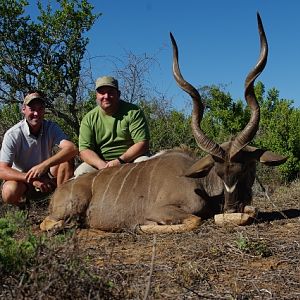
(260, 261)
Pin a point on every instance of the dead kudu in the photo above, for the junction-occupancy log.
(171, 189)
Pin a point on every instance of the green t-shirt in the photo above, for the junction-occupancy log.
(111, 136)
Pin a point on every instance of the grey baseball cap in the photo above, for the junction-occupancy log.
(107, 81)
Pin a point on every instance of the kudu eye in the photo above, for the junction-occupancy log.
(220, 170)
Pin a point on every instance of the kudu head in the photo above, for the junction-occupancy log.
(234, 161)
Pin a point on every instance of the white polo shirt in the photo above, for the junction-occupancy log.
(23, 150)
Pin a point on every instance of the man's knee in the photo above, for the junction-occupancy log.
(65, 171)
(62, 172)
(68, 168)
(141, 158)
(84, 168)
(13, 192)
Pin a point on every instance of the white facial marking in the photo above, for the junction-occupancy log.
(229, 189)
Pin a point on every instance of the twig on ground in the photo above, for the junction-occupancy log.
(268, 197)
(151, 268)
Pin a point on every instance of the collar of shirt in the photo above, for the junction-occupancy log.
(27, 129)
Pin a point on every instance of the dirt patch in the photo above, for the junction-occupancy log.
(260, 261)
(208, 263)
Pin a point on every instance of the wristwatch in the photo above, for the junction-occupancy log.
(121, 160)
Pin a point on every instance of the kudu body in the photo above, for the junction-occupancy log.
(171, 188)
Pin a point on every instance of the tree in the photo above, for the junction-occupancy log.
(133, 72)
(223, 118)
(169, 128)
(9, 115)
(280, 132)
(46, 54)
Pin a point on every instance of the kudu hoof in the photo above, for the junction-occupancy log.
(240, 219)
(51, 225)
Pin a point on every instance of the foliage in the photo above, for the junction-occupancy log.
(253, 247)
(132, 72)
(82, 108)
(169, 128)
(15, 253)
(45, 54)
(280, 132)
(45, 266)
(223, 118)
(9, 115)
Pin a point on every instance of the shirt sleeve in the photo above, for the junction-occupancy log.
(138, 127)
(86, 136)
(8, 149)
(58, 134)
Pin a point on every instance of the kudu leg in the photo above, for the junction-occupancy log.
(170, 219)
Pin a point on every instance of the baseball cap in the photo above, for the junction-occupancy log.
(31, 97)
(107, 81)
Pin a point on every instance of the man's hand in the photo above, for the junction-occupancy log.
(36, 171)
(113, 163)
(44, 184)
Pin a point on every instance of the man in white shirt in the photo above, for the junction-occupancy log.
(27, 164)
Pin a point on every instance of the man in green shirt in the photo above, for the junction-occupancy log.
(114, 132)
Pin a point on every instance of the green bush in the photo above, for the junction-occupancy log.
(15, 253)
(169, 128)
(280, 132)
(257, 248)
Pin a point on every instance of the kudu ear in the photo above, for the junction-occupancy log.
(201, 167)
(272, 159)
(267, 158)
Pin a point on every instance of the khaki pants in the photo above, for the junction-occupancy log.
(86, 168)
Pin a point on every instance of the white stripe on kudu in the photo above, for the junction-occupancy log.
(152, 172)
(133, 166)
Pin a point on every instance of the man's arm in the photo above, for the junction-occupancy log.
(91, 157)
(132, 153)
(67, 151)
(8, 173)
(135, 151)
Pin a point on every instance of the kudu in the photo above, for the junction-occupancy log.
(173, 188)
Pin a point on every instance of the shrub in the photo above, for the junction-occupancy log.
(257, 248)
(15, 253)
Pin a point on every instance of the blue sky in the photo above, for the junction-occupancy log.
(217, 39)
